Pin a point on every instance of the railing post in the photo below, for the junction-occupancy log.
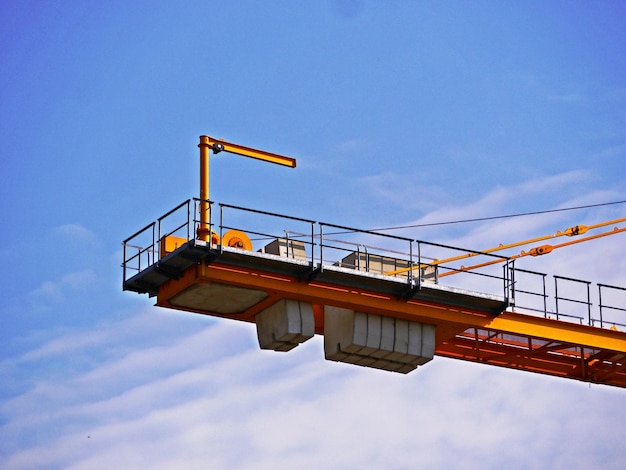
(505, 282)
(410, 275)
(367, 259)
(510, 279)
(154, 252)
(556, 297)
(124, 265)
(321, 247)
(545, 297)
(221, 228)
(158, 238)
(419, 264)
(513, 281)
(588, 305)
(312, 244)
(600, 303)
(188, 219)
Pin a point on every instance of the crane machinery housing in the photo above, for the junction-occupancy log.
(379, 300)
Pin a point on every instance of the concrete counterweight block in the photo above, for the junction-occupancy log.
(285, 324)
(375, 341)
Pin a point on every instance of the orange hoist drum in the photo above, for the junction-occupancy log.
(237, 239)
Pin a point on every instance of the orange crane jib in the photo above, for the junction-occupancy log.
(537, 251)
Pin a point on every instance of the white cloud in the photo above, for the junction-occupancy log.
(402, 190)
(570, 189)
(54, 292)
(212, 399)
(569, 98)
(108, 333)
(614, 151)
(77, 233)
(160, 389)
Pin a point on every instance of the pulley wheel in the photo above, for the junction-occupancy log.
(237, 239)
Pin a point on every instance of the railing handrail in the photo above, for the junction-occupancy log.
(466, 250)
(167, 214)
(139, 254)
(138, 232)
(610, 287)
(369, 232)
(273, 214)
(571, 279)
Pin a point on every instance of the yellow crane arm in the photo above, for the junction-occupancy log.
(536, 251)
(208, 144)
(218, 146)
(569, 232)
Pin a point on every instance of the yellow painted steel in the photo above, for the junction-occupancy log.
(204, 229)
(580, 229)
(170, 243)
(223, 146)
(209, 143)
(569, 232)
(537, 251)
(564, 332)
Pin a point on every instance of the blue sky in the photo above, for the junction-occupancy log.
(399, 113)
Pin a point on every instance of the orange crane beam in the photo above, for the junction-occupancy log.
(279, 285)
(569, 232)
(536, 251)
(511, 339)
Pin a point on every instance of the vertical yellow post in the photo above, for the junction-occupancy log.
(204, 231)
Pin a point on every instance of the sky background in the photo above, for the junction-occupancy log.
(399, 113)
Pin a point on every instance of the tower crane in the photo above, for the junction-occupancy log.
(374, 309)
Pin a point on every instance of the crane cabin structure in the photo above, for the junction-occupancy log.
(378, 300)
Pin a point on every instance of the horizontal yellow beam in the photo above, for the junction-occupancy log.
(223, 146)
(561, 331)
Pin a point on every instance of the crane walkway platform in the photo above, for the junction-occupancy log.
(327, 279)
(175, 264)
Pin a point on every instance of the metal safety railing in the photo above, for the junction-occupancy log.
(138, 257)
(260, 226)
(569, 304)
(143, 248)
(568, 299)
(414, 262)
(609, 314)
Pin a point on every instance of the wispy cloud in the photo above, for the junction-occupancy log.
(164, 389)
(570, 98)
(402, 190)
(546, 190)
(77, 233)
(210, 400)
(54, 292)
